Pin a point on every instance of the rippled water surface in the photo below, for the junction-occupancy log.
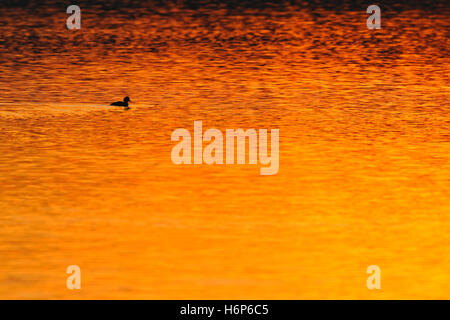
(364, 153)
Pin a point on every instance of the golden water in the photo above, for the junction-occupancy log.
(364, 154)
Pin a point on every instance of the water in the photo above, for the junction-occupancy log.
(364, 153)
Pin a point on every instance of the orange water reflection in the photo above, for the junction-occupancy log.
(364, 156)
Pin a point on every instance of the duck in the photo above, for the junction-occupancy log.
(123, 103)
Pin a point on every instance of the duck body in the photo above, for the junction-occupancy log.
(123, 103)
(120, 104)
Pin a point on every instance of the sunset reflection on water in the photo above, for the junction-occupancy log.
(363, 117)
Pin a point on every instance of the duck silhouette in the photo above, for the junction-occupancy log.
(123, 103)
